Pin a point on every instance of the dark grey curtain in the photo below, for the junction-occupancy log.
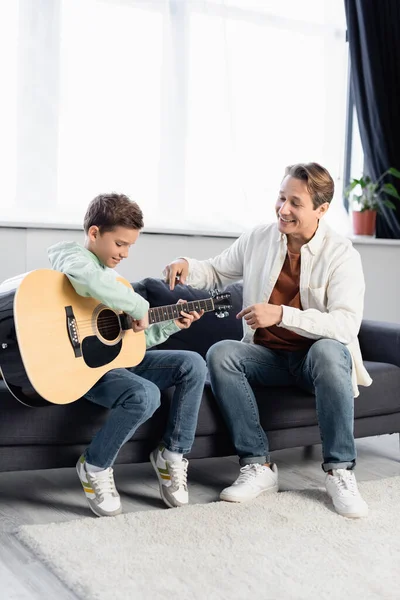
(374, 39)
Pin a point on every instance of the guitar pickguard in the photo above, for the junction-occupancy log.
(96, 354)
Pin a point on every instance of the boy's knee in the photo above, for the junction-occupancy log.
(153, 398)
(194, 363)
(148, 397)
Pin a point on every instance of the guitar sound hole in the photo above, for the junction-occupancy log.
(108, 324)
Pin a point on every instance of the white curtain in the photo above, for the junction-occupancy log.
(192, 107)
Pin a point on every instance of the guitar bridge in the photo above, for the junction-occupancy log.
(73, 331)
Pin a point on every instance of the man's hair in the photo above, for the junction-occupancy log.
(320, 184)
(109, 211)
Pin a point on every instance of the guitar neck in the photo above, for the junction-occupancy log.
(173, 311)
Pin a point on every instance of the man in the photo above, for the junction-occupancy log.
(303, 291)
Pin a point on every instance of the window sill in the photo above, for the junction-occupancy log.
(146, 230)
(370, 240)
(365, 240)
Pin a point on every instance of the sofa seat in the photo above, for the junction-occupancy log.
(283, 408)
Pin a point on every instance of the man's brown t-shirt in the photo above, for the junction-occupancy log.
(287, 292)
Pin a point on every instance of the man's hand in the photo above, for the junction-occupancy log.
(185, 321)
(140, 324)
(176, 272)
(261, 315)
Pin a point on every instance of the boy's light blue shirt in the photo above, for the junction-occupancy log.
(90, 278)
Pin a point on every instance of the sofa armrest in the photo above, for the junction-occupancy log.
(380, 341)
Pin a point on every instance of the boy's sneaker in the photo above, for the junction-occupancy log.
(172, 478)
(342, 488)
(100, 490)
(254, 479)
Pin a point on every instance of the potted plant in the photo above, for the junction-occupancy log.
(366, 200)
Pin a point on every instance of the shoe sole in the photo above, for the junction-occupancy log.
(359, 515)
(229, 498)
(164, 498)
(93, 508)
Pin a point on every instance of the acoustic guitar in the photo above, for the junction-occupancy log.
(55, 345)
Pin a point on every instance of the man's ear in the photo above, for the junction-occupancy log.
(323, 209)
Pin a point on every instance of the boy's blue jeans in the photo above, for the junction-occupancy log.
(133, 395)
(324, 370)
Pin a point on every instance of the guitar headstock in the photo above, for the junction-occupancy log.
(222, 303)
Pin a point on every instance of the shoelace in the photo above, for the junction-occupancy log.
(178, 472)
(248, 472)
(345, 482)
(103, 482)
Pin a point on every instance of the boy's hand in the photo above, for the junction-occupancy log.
(185, 321)
(176, 272)
(140, 324)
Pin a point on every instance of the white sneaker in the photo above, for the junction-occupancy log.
(342, 488)
(100, 490)
(254, 479)
(172, 478)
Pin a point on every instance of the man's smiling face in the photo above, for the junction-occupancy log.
(296, 214)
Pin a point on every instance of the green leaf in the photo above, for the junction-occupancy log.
(351, 187)
(389, 204)
(394, 172)
(363, 181)
(389, 189)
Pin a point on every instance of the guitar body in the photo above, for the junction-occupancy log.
(55, 345)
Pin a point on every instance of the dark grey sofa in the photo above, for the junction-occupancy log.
(54, 436)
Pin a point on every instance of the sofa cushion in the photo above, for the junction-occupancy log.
(291, 407)
(204, 333)
(288, 407)
(280, 408)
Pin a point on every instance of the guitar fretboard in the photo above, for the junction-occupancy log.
(173, 311)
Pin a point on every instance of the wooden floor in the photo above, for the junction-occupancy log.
(55, 495)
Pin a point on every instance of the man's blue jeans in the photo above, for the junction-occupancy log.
(324, 370)
(133, 395)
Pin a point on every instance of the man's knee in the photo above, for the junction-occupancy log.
(330, 357)
(223, 353)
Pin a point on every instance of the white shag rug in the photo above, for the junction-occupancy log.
(286, 546)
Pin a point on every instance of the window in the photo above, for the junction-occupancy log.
(191, 107)
(8, 104)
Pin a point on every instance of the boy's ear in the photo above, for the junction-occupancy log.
(93, 232)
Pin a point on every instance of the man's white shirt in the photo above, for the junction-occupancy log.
(331, 285)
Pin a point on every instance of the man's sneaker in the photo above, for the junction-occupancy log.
(100, 490)
(172, 478)
(342, 488)
(254, 479)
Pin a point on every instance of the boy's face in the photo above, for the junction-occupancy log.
(111, 247)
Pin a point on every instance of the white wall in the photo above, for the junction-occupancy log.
(25, 249)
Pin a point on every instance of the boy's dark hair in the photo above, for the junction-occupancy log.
(109, 211)
(319, 182)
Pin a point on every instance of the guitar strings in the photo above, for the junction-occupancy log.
(111, 322)
(155, 309)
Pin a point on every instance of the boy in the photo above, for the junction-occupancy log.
(112, 225)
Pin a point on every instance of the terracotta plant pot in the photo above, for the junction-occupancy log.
(364, 222)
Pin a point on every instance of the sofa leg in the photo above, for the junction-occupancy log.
(308, 451)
